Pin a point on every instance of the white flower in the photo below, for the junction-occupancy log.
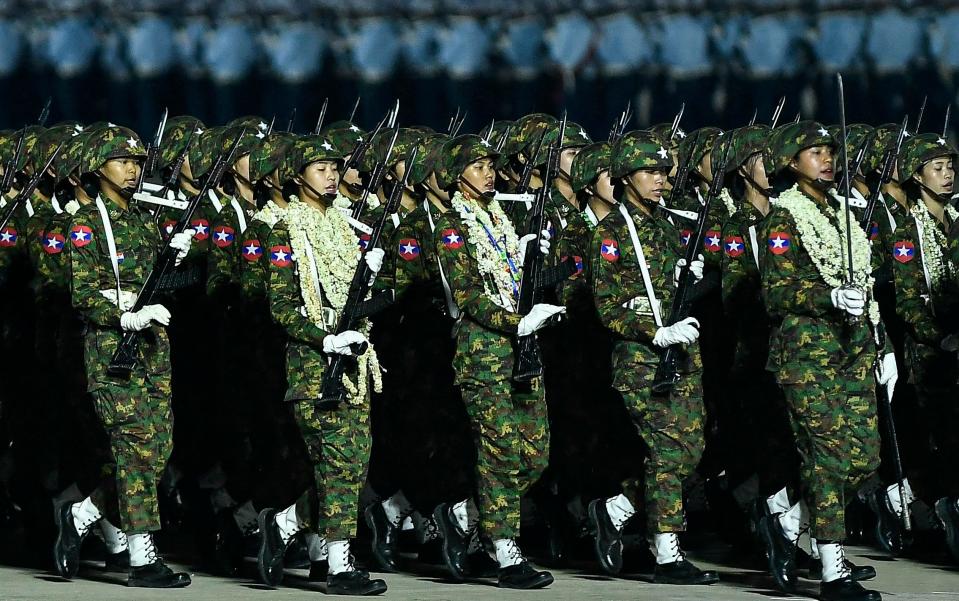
(728, 201)
(931, 244)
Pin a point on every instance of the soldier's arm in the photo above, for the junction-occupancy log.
(466, 284)
(404, 260)
(786, 288)
(221, 259)
(912, 301)
(254, 259)
(283, 290)
(732, 269)
(613, 287)
(85, 263)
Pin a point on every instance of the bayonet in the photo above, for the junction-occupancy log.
(777, 112)
(676, 120)
(45, 113)
(322, 117)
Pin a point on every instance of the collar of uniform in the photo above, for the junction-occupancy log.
(559, 201)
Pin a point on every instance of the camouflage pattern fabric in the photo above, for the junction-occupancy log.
(111, 143)
(883, 139)
(638, 150)
(136, 412)
(592, 160)
(179, 131)
(270, 155)
(918, 150)
(459, 153)
(427, 158)
(789, 140)
(344, 135)
(670, 425)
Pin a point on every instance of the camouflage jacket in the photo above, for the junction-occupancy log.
(14, 257)
(51, 257)
(411, 256)
(809, 334)
(915, 303)
(255, 260)
(620, 295)
(192, 270)
(712, 246)
(223, 257)
(573, 244)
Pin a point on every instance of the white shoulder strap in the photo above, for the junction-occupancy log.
(56, 205)
(643, 266)
(396, 219)
(216, 201)
(755, 244)
(111, 243)
(892, 220)
(29, 207)
(240, 215)
(591, 216)
(922, 258)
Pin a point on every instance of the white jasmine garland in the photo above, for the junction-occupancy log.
(336, 249)
(728, 201)
(270, 213)
(826, 244)
(933, 241)
(494, 264)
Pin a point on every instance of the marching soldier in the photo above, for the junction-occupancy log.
(113, 245)
(636, 264)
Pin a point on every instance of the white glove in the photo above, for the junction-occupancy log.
(887, 374)
(696, 268)
(950, 343)
(544, 244)
(850, 300)
(181, 243)
(681, 332)
(339, 344)
(537, 317)
(374, 260)
(141, 320)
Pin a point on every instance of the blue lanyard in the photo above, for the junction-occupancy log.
(509, 260)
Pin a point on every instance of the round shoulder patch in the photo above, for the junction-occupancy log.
(452, 239)
(281, 256)
(903, 251)
(81, 235)
(609, 250)
(779, 243)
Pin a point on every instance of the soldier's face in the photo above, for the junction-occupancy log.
(352, 176)
(650, 183)
(435, 187)
(242, 166)
(122, 173)
(481, 175)
(756, 170)
(938, 175)
(566, 159)
(186, 171)
(604, 186)
(815, 163)
(706, 167)
(322, 176)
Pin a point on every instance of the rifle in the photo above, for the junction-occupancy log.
(321, 118)
(360, 151)
(177, 166)
(457, 125)
(332, 392)
(922, 111)
(666, 373)
(10, 168)
(889, 160)
(125, 357)
(153, 154)
(291, 122)
(753, 120)
(945, 123)
(846, 181)
(676, 120)
(777, 113)
(45, 113)
(376, 177)
(527, 363)
(27, 190)
(619, 127)
(856, 162)
(356, 105)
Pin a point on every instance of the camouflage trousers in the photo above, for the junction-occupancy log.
(338, 443)
(834, 421)
(671, 427)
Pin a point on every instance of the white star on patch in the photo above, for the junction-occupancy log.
(132, 143)
(200, 229)
(713, 240)
(251, 250)
(354, 128)
(6, 236)
(280, 255)
(609, 250)
(662, 152)
(583, 134)
(53, 243)
(823, 131)
(734, 246)
(222, 236)
(326, 145)
(902, 251)
(408, 249)
(82, 235)
(779, 242)
(452, 238)
(941, 141)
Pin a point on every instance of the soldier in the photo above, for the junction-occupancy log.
(925, 277)
(631, 287)
(313, 254)
(821, 347)
(482, 257)
(113, 245)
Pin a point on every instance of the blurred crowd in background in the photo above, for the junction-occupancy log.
(125, 60)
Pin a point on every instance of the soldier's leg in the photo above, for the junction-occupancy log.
(533, 421)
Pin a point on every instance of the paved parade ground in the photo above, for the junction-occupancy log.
(899, 580)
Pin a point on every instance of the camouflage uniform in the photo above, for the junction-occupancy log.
(822, 360)
(509, 421)
(338, 442)
(136, 412)
(670, 425)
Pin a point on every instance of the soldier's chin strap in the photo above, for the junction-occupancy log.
(650, 204)
(943, 198)
(125, 193)
(486, 195)
(767, 192)
(327, 197)
(242, 179)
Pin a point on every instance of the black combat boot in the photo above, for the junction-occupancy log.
(384, 537)
(455, 543)
(608, 540)
(780, 552)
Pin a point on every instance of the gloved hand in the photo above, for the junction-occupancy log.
(850, 300)
(374, 260)
(339, 344)
(544, 244)
(537, 318)
(696, 268)
(181, 243)
(681, 332)
(950, 343)
(141, 320)
(887, 374)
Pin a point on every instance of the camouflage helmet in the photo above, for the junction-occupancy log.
(204, 150)
(746, 142)
(592, 160)
(697, 144)
(251, 122)
(500, 129)
(884, 138)
(574, 137)
(30, 136)
(919, 150)
(526, 132)
(72, 154)
(430, 148)
(344, 135)
(789, 140)
(48, 141)
(249, 140)
(406, 139)
(662, 131)
(8, 139)
(458, 153)
(111, 142)
(638, 149)
(175, 137)
(857, 134)
(270, 155)
(307, 150)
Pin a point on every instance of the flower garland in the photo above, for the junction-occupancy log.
(270, 213)
(336, 250)
(933, 241)
(498, 264)
(727, 199)
(825, 244)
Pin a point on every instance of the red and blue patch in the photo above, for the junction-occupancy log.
(8, 237)
(685, 236)
(223, 236)
(364, 241)
(409, 249)
(734, 246)
(252, 250)
(609, 250)
(167, 227)
(281, 256)
(202, 227)
(779, 243)
(578, 262)
(711, 243)
(81, 235)
(53, 243)
(903, 251)
(873, 231)
(120, 257)
(452, 239)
